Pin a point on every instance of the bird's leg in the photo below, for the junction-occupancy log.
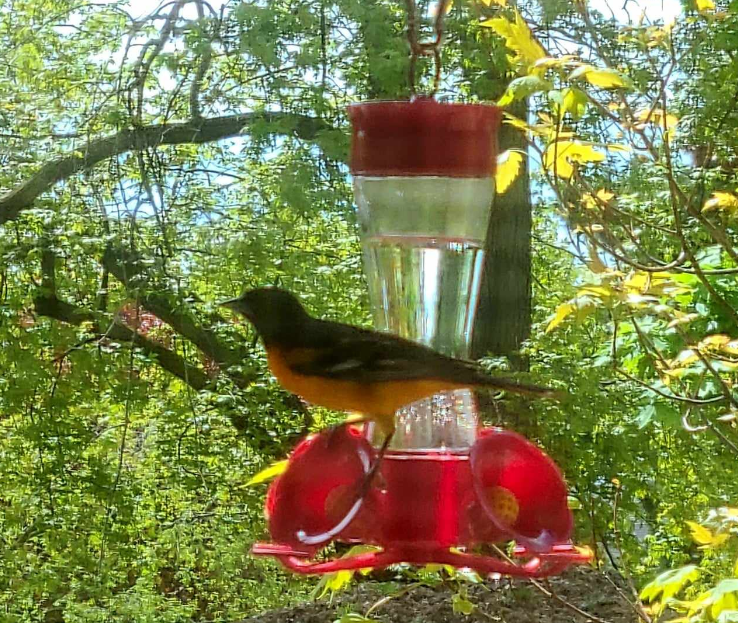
(369, 477)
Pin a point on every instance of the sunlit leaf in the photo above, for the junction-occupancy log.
(561, 156)
(705, 5)
(519, 38)
(721, 201)
(601, 197)
(603, 78)
(354, 617)
(339, 580)
(704, 536)
(509, 165)
(581, 307)
(274, 470)
(555, 62)
(717, 341)
(670, 582)
(521, 88)
(658, 118)
(570, 100)
(515, 122)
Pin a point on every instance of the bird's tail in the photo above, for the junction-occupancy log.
(518, 387)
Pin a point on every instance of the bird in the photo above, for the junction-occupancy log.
(348, 368)
(352, 369)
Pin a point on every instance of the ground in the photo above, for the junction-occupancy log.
(503, 601)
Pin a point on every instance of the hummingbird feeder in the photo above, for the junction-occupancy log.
(423, 175)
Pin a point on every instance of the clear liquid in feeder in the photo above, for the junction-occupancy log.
(424, 187)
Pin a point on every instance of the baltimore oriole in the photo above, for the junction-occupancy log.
(347, 368)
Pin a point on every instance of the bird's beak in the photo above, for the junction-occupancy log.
(229, 303)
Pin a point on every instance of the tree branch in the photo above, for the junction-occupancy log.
(194, 131)
(124, 266)
(53, 307)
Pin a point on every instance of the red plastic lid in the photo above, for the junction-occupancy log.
(424, 137)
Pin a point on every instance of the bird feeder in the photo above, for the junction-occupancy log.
(423, 175)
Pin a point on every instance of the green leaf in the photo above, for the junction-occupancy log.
(645, 415)
(461, 605)
(353, 617)
(570, 100)
(523, 87)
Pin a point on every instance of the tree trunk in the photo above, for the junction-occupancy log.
(503, 316)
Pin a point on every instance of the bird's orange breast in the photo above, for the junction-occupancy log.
(372, 399)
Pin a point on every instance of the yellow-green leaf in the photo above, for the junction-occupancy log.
(604, 78)
(523, 87)
(721, 201)
(274, 470)
(509, 165)
(338, 580)
(658, 117)
(705, 5)
(560, 157)
(551, 62)
(563, 311)
(666, 585)
(704, 537)
(519, 38)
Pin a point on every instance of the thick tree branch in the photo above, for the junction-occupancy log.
(53, 307)
(124, 267)
(195, 131)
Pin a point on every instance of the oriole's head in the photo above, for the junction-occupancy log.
(274, 312)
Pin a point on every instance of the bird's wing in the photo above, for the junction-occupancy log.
(369, 357)
(364, 356)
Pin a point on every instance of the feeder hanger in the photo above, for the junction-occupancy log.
(429, 48)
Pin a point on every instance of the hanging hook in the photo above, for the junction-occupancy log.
(432, 48)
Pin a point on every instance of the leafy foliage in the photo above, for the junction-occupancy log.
(154, 164)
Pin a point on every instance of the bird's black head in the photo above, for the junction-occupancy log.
(275, 313)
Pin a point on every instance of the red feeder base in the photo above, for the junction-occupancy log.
(422, 506)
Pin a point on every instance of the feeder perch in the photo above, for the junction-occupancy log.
(423, 176)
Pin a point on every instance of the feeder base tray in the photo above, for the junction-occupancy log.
(535, 565)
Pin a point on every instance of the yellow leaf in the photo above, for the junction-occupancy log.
(714, 341)
(682, 318)
(562, 312)
(600, 292)
(579, 306)
(519, 38)
(604, 78)
(550, 62)
(731, 347)
(601, 197)
(705, 5)
(657, 117)
(721, 200)
(502, 3)
(595, 264)
(561, 156)
(515, 122)
(509, 165)
(704, 536)
(274, 470)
